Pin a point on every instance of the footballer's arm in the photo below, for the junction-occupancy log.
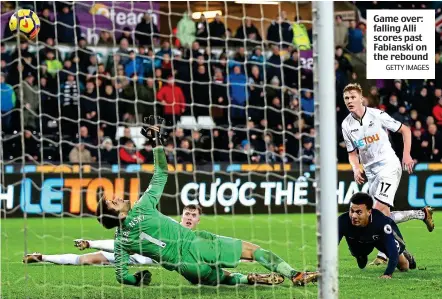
(407, 161)
(393, 256)
(353, 158)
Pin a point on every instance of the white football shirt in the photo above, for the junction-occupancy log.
(369, 136)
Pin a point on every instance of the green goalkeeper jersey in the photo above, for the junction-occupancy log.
(148, 232)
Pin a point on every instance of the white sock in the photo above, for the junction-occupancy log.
(382, 255)
(105, 245)
(62, 259)
(403, 216)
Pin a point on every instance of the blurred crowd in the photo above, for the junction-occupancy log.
(253, 88)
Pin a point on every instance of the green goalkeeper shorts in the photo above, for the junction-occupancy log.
(205, 259)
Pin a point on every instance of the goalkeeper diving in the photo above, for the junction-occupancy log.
(199, 256)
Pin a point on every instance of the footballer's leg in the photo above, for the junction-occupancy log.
(274, 263)
(67, 259)
(251, 278)
(105, 245)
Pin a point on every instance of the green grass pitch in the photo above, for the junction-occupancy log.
(293, 237)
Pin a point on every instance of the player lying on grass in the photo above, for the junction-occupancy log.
(365, 228)
(197, 256)
(190, 218)
(366, 138)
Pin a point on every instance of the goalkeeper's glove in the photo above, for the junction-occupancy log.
(143, 278)
(153, 130)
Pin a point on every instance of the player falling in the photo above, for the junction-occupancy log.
(366, 138)
(190, 218)
(198, 256)
(365, 228)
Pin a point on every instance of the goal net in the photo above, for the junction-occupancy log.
(234, 81)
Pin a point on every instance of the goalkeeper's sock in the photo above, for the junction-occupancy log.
(403, 216)
(274, 263)
(234, 279)
(62, 259)
(105, 245)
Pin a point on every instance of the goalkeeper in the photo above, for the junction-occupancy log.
(198, 256)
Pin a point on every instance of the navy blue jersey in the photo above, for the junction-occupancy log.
(381, 233)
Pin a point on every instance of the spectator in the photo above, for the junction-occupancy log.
(356, 39)
(437, 113)
(123, 51)
(307, 154)
(291, 70)
(344, 65)
(437, 70)
(71, 90)
(422, 102)
(418, 147)
(147, 153)
(202, 32)
(146, 96)
(165, 49)
(256, 95)
(83, 54)
(341, 32)
(79, 154)
(30, 101)
(108, 153)
(201, 92)
(274, 65)
(112, 64)
(402, 116)
(392, 105)
(247, 32)
(93, 66)
(106, 38)
(128, 35)
(219, 98)
(134, 67)
(5, 58)
(172, 99)
(238, 94)
(432, 144)
(217, 32)
(108, 110)
(166, 66)
(437, 95)
(49, 46)
(8, 100)
(47, 27)
(186, 32)
(184, 153)
(308, 106)
(89, 107)
(373, 98)
(246, 153)
(129, 154)
(256, 58)
(280, 28)
(68, 30)
(32, 147)
(146, 32)
(54, 65)
(301, 38)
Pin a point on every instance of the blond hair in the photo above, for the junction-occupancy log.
(353, 86)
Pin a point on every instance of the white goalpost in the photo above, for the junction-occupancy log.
(326, 171)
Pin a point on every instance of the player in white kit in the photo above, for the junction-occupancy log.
(366, 139)
(190, 218)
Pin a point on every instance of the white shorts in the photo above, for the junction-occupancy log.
(383, 180)
(134, 259)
